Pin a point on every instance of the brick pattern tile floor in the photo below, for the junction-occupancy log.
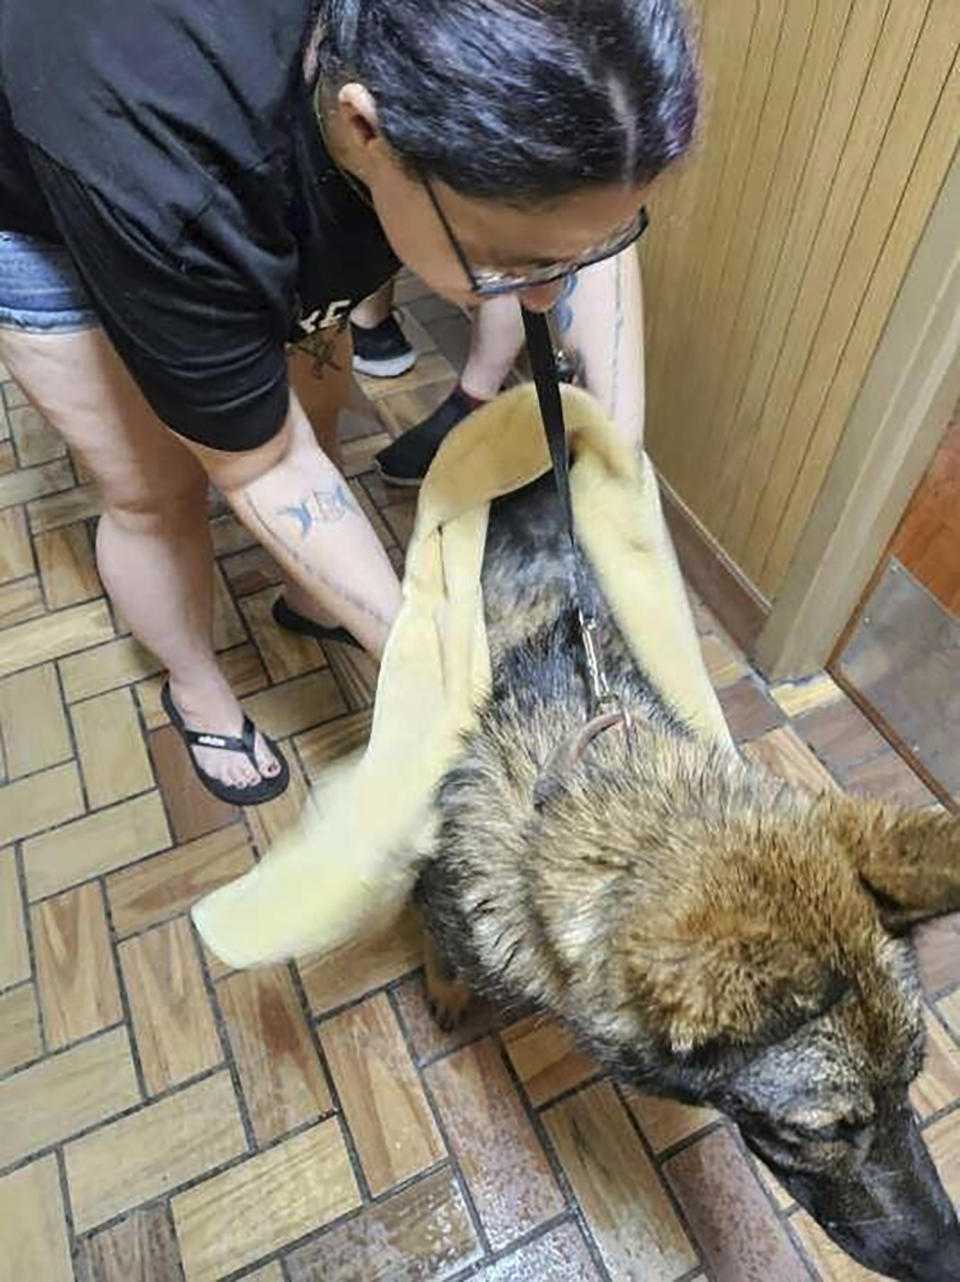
(162, 1118)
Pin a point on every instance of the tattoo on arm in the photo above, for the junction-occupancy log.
(562, 311)
(617, 336)
(571, 362)
(330, 585)
(563, 315)
(327, 506)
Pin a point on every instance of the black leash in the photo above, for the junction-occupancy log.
(544, 366)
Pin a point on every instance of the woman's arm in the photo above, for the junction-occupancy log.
(599, 317)
(297, 504)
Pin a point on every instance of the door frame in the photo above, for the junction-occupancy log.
(903, 408)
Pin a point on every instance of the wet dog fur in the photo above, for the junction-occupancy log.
(708, 931)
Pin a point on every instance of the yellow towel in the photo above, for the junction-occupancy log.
(351, 859)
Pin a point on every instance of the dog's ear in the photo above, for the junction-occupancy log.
(908, 861)
(725, 979)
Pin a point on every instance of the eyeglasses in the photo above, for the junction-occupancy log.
(489, 282)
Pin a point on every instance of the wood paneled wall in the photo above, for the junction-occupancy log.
(778, 248)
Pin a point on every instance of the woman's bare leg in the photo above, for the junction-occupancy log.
(153, 541)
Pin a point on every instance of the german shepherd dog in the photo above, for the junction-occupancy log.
(708, 931)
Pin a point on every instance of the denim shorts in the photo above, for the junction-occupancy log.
(40, 289)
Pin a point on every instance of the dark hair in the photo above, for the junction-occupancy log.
(521, 100)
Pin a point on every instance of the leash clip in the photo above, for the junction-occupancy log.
(605, 713)
(601, 696)
(605, 710)
(603, 701)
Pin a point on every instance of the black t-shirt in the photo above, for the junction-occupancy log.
(172, 146)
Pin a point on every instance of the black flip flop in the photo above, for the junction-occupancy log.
(256, 794)
(293, 621)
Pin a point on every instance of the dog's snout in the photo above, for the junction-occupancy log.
(926, 1250)
(945, 1266)
(917, 1238)
(885, 1204)
(941, 1263)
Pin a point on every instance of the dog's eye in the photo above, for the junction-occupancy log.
(827, 1133)
(820, 1126)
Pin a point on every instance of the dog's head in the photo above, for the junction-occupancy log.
(780, 989)
(827, 1110)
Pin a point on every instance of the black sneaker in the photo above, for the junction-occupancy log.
(382, 352)
(406, 460)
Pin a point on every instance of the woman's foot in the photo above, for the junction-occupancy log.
(213, 709)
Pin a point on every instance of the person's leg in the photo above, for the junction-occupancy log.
(496, 337)
(380, 347)
(375, 308)
(153, 542)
